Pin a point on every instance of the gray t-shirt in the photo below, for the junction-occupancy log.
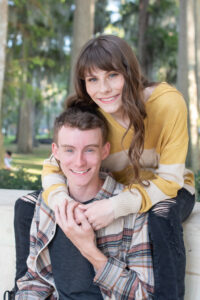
(73, 273)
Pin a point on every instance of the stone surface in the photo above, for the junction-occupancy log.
(192, 245)
(7, 241)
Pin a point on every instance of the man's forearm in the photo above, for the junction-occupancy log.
(95, 257)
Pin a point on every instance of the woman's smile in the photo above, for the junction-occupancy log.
(108, 99)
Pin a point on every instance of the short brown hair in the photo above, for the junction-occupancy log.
(81, 116)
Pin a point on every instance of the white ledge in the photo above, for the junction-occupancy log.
(8, 197)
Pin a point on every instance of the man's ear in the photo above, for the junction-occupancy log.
(55, 150)
(105, 150)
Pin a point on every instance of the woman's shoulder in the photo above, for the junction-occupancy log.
(166, 96)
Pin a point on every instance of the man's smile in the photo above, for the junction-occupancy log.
(80, 172)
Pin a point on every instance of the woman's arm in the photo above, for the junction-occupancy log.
(53, 183)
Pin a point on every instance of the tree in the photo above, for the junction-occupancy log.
(83, 28)
(197, 47)
(151, 28)
(182, 72)
(102, 16)
(187, 80)
(3, 40)
(37, 62)
(142, 39)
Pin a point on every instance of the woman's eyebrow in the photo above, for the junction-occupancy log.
(89, 75)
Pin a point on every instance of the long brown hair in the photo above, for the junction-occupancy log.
(111, 53)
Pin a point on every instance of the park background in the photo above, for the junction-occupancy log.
(39, 44)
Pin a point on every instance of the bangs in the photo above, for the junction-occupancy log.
(96, 58)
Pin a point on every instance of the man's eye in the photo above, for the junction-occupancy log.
(69, 150)
(90, 150)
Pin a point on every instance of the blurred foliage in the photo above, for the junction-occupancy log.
(39, 45)
(39, 34)
(161, 36)
(19, 179)
(102, 16)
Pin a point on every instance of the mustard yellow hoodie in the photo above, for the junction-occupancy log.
(162, 162)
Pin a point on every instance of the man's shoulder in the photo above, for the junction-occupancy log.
(31, 197)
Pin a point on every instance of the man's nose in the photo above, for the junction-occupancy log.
(80, 159)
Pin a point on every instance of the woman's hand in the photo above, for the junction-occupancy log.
(99, 213)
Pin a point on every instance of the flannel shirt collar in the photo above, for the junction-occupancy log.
(109, 188)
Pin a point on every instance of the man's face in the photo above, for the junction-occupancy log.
(80, 153)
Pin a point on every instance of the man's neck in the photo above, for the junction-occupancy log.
(82, 193)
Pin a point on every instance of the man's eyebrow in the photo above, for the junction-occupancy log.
(65, 145)
(71, 146)
(92, 145)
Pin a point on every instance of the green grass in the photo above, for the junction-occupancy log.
(31, 162)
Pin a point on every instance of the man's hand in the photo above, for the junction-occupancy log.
(99, 213)
(82, 235)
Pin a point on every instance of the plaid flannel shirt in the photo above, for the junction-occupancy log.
(128, 274)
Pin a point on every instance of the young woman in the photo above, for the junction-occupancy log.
(149, 140)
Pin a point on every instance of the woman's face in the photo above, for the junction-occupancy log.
(105, 88)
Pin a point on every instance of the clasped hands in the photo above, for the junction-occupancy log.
(74, 220)
(99, 214)
(75, 225)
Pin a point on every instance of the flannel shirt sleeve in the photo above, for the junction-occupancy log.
(132, 279)
(31, 286)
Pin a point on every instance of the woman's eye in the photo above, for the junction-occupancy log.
(113, 75)
(92, 79)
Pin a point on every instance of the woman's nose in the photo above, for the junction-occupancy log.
(104, 86)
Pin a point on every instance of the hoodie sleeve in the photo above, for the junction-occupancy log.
(53, 183)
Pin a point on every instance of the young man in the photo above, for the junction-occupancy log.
(76, 263)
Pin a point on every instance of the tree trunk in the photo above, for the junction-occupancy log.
(193, 104)
(182, 76)
(25, 133)
(142, 45)
(187, 77)
(83, 27)
(25, 136)
(197, 47)
(3, 39)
